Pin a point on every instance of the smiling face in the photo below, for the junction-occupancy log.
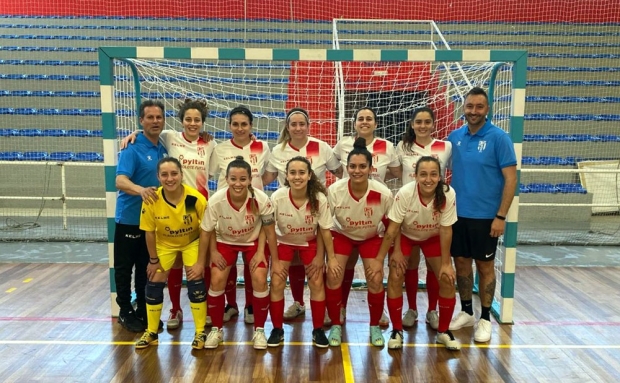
(423, 125)
(427, 176)
(298, 175)
(192, 124)
(297, 127)
(238, 180)
(170, 176)
(358, 168)
(240, 126)
(475, 109)
(365, 123)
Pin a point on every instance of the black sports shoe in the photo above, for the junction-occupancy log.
(130, 322)
(276, 338)
(319, 339)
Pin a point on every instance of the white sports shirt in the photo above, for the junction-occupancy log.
(256, 153)
(295, 225)
(419, 221)
(441, 150)
(319, 153)
(383, 156)
(232, 226)
(359, 219)
(194, 157)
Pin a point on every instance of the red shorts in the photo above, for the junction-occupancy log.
(431, 247)
(231, 252)
(367, 248)
(306, 253)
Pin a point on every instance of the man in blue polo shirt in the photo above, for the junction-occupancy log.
(484, 177)
(136, 180)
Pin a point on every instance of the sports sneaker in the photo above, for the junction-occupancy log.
(214, 338)
(396, 340)
(376, 337)
(432, 318)
(319, 339)
(448, 340)
(199, 340)
(259, 339)
(130, 322)
(461, 320)
(294, 311)
(410, 318)
(384, 321)
(144, 319)
(335, 335)
(248, 315)
(148, 338)
(209, 321)
(174, 319)
(343, 314)
(276, 338)
(231, 312)
(327, 321)
(483, 331)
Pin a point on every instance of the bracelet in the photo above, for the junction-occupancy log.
(154, 263)
(503, 218)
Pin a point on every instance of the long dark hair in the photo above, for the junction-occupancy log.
(359, 147)
(314, 186)
(240, 163)
(409, 134)
(441, 189)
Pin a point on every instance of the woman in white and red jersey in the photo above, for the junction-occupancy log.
(359, 205)
(417, 141)
(232, 223)
(384, 158)
(295, 141)
(256, 153)
(422, 215)
(302, 214)
(193, 153)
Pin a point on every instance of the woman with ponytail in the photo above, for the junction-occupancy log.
(302, 214)
(237, 220)
(422, 215)
(359, 205)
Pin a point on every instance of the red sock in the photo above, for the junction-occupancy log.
(375, 306)
(297, 280)
(318, 313)
(411, 287)
(261, 308)
(432, 289)
(247, 281)
(175, 282)
(216, 310)
(333, 302)
(395, 308)
(446, 309)
(347, 282)
(231, 287)
(276, 309)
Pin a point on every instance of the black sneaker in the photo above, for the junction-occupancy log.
(145, 322)
(319, 339)
(130, 322)
(276, 338)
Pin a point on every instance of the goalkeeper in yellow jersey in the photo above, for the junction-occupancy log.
(172, 224)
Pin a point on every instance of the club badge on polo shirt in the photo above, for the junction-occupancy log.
(481, 146)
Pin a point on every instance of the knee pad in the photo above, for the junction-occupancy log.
(155, 293)
(196, 291)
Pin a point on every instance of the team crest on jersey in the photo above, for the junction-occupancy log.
(375, 159)
(249, 219)
(368, 211)
(253, 159)
(187, 219)
(309, 219)
(436, 215)
(481, 146)
(201, 150)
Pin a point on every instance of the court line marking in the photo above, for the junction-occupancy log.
(346, 363)
(27, 280)
(343, 346)
(11, 290)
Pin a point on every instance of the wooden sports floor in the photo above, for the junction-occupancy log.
(55, 327)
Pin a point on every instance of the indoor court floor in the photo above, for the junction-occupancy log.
(55, 326)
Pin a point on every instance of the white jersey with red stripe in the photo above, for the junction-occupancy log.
(363, 218)
(194, 157)
(318, 152)
(420, 221)
(441, 150)
(383, 156)
(295, 225)
(256, 153)
(236, 226)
